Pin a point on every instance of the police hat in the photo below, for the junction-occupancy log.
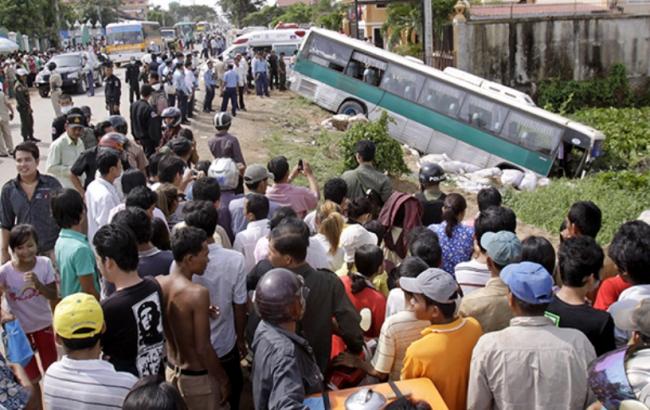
(75, 121)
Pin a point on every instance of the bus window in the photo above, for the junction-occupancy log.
(365, 68)
(531, 134)
(328, 53)
(483, 113)
(125, 35)
(403, 82)
(441, 97)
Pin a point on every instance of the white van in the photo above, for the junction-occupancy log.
(285, 40)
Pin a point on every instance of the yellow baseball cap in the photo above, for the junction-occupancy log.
(75, 312)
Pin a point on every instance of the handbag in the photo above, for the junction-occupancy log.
(18, 348)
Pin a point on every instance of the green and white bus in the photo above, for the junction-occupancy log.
(438, 112)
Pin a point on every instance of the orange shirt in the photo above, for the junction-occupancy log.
(443, 355)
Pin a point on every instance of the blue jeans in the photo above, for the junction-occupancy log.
(261, 84)
(229, 94)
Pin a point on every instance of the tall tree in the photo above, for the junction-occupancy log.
(24, 16)
(263, 16)
(237, 10)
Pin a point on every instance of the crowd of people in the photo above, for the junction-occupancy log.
(167, 279)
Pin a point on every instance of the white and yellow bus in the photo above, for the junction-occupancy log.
(132, 39)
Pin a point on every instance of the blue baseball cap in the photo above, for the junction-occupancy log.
(529, 282)
(502, 247)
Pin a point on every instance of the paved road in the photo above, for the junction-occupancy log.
(44, 114)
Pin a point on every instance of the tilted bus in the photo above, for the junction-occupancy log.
(436, 112)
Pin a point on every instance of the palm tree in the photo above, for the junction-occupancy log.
(403, 22)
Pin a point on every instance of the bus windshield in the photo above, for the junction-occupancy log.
(124, 35)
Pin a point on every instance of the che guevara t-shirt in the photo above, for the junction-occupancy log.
(134, 337)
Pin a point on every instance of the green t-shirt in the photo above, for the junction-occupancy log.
(74, 258)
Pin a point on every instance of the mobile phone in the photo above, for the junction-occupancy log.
(300, 164)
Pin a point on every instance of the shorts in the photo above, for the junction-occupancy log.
(199, 391)
(42, 342)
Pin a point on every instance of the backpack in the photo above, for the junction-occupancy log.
(225, 171)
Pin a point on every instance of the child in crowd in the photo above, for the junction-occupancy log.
(456, 239)
(474, 274)
(28, 282)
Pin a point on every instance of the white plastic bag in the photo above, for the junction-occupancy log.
(511, 177)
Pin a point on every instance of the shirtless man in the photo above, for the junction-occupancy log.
(192, 364)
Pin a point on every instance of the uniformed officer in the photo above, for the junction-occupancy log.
(23, 106)
(56, 82)
(132, 78)
(112, 91)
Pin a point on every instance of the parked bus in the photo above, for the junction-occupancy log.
(435, 112)
(131, 39)
(203, 27)
(185, 31)
(168, 34)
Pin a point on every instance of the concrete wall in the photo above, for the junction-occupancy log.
(524, 51)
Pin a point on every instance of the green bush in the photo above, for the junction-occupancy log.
(627, 132)
(389, 156)
(621, 196)
(569, 96)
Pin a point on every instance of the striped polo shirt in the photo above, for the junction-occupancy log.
(85, 384)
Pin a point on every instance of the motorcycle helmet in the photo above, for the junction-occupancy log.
(276, 292)
(172, 112)
(114, 140)
(119, 124)
(431, 173)
(222, 120)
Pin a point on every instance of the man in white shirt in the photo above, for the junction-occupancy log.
(256, 210)
(191, 84)
(81, 379)
(225, 280)
(101, 194)
(241, 67)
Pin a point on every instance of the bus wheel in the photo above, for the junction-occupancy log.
(351, 108)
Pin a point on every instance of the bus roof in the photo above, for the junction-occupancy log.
(434, 72)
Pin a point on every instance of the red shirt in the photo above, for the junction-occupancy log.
(367, 298)
(371, 299)
(609, 292)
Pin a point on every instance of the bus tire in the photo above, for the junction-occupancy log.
(351, 108)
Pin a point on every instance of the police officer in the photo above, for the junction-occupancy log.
(132, 78)
(430, 195)
(24, 106)
(112, 91)
(229, 90)
(280, 303)
(56, 82)
(142, 115)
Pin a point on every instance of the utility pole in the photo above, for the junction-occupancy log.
(356, 19)
(427, 36)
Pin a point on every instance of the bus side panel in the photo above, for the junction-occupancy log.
(417, 135)
(470, 135)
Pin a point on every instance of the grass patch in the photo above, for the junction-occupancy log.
(621, 196)
(321, 151)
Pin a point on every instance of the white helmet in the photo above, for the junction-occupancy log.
(222, 120)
